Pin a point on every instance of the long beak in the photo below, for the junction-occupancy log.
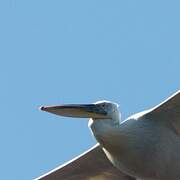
(77, 110)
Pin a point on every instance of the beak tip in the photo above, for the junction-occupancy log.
(42, 108)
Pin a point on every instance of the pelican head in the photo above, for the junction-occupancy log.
(97, 110)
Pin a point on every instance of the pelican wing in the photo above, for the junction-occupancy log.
(91, 165)
(168, 110)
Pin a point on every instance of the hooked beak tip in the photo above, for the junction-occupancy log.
(42, 108)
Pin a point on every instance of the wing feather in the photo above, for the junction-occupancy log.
(168, 110)
(91, 165)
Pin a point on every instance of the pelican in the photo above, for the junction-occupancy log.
(145, 146)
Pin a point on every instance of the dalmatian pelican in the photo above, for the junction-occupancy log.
(145, 146)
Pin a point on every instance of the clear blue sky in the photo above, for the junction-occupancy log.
(55, 52)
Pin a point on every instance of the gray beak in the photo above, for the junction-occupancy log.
(78, 110)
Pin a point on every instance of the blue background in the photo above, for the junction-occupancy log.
(54, 52)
